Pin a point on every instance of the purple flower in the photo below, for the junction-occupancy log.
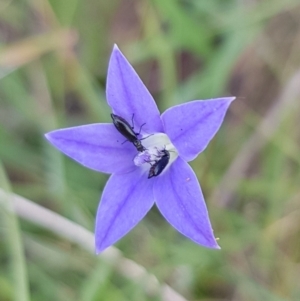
(170, 141)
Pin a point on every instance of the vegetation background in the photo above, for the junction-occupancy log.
(53, 64)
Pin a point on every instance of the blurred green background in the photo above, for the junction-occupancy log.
(53, 64)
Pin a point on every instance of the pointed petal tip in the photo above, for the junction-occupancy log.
(100, 247)
(115, 47)
(228, 99)
(215, 245)
(47, 136)
(210, 245)
(50, 136)
(116, 52)
(98, 251)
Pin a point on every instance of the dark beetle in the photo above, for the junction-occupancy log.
(159, 165)
(127, 131)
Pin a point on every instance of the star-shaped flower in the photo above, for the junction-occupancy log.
(152, 166)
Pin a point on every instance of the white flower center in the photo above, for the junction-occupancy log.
(157, 146)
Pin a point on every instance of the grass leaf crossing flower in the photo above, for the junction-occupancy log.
(158, 171)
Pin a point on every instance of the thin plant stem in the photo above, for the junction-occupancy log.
(75, 233)
(14, 241)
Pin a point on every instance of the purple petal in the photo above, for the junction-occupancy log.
(125, 201)
(128, 96)
(192, 125)
(179, 198)
(96, 146)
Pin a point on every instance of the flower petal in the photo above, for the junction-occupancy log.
(128, 96)
(125, 201)
(96, 146)
(179, 198)
(192, 125)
